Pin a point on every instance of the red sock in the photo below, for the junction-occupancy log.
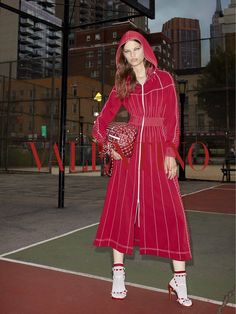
(118, 264)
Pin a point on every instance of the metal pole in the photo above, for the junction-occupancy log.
(7, 118)
(63, 103)
(182, 176)
(2, 114)
(52, 108)
(102, 92)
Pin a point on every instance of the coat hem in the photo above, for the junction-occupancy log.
(185, 256)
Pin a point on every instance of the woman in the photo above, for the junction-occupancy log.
(143, 205)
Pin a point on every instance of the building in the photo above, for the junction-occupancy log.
(94, 52)
(162, 47)
(36, 103)
(195, 119)
(185, 36)
(227, 22)
(216, 34)
(35, 46)
(91, 11)
(198, 126)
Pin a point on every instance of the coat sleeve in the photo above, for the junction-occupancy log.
(107, 114)
(171, 121)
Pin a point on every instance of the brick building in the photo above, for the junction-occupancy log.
(185, 36)
(94, 52)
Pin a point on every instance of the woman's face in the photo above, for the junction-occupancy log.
(133, 52)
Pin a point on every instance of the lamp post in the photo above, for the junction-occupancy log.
(81, 119)
(100, 98)
(182, 93)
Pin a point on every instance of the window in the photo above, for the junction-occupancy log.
(75, 108)
(186, 103)
(97, 36)
(186, 122)
(31, 108)
(13, 95)
(48, 93)
(31, 93)
(158, 48)
(71, 42)
(113, 51)
(90, 54)
(57, 92)
(74, 90)
(114, 35)
(201, 120)
(89, 64)
(88, 38)
(95, 74)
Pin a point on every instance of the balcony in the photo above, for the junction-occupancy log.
(56, 51)
(37, 53)
(24, 65)
(25, 31)
(26, 40)
(46, 3)
(24, 49)
(99, 14)
(54, 43)
(36, 44)
(84, 4)
(38, 27)
(84, 19)
(84, 10)
(26, 22)
(54, 35)
(37, 35)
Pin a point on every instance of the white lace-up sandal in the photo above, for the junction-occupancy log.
(119, 291)
(178, 286)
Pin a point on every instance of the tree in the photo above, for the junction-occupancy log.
(217, 90)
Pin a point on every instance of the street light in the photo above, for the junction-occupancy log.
(81, 122)
(182, 93)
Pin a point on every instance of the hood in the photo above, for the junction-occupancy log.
(148, 52)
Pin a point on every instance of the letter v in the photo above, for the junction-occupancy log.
(36, 156)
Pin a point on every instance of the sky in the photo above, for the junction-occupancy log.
(202, 10)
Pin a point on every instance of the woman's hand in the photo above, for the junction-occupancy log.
(115, 155)
(170, 167)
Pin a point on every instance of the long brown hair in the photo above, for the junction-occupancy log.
(125, 78)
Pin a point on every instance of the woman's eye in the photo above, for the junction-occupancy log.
(137, 48)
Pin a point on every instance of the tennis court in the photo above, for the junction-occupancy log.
(66, 274)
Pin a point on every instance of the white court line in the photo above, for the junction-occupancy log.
(224, 189)
(109, 280)
(195, 192)
(48, 240)
(204, 212)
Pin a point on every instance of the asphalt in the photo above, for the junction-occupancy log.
(29, 210)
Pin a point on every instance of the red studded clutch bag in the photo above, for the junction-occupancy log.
(120, 137)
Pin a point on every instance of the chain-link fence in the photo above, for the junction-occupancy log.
(30, 90)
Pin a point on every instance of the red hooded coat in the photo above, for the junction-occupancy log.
(142, 206)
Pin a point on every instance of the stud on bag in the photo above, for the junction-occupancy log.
(120, 137)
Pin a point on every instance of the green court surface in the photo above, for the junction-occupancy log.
(211, 273)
